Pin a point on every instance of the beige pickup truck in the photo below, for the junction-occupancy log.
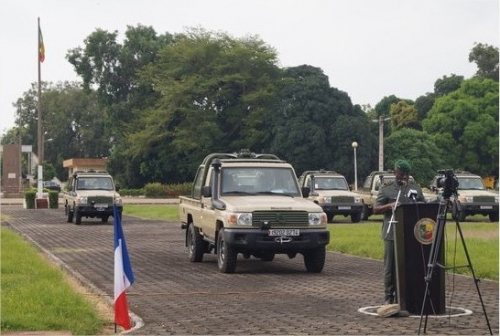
(251, 205)
(473, 197)
(330, 190)
(91, 194)
(371, 186)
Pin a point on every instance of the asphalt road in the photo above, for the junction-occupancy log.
(172, 296)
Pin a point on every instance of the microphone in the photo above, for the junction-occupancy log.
(412, 194)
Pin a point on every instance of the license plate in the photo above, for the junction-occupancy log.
(486, 207)
(283, 232)
(344, 208)
(101, 206)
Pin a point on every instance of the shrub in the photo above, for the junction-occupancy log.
(154, 190)
(29, 197)
(53, 199)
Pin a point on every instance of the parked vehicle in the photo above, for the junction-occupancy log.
(330, 190)
(51, 185)
(473, 197)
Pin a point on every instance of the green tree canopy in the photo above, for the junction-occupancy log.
(464, 124)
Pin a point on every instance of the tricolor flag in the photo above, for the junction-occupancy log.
(41, 46)
(124, 277)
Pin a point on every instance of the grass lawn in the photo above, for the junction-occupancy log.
(37, 296)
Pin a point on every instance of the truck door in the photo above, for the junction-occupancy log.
(207, 220)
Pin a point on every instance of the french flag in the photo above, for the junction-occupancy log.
(124, 277)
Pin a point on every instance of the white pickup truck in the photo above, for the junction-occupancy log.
(251, 204)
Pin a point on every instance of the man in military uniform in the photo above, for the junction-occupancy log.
(386, 203)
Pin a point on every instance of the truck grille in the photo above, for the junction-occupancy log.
(342, 199)
(100, 200)
(280, 218)
(484, 199)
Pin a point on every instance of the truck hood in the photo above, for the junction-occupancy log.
(269, 203)
(336, 193)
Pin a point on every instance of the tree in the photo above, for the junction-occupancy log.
(486, 59)
(316, 124)
(217, 94)
(446, 85)
(464, 124)
(403, 115)
(423, 104)
(419, 149)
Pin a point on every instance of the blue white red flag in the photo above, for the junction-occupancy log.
(124, 277)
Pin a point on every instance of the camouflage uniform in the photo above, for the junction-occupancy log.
(388, 194)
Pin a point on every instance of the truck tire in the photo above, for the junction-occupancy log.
(195, 244)
(78, 217)
(314, 260)
(329, 217)
(104, 219)
(68, 213)
(493, 216)
(365, 213)
(226, 256)
(356, 217)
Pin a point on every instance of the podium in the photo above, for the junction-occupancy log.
(414, 234)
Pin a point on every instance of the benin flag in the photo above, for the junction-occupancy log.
(41, 46)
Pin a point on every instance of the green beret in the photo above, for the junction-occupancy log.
(402, 165)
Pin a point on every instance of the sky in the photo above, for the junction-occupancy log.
(369, 49)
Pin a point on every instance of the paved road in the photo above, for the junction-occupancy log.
(175, 297)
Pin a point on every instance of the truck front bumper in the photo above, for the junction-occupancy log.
(89, 210)
(342, 209)
(480, 209)
(246, 240)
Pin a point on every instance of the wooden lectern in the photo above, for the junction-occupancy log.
(414, 234)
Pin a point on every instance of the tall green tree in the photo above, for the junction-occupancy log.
(217, 94)
(419, 149)
(317, 124)
(464, 124)
(486, 58)
(446, 85)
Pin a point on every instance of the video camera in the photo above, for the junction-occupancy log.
(449, 182)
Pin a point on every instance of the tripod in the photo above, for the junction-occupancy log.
(435, 249)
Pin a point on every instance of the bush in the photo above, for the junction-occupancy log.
(132, 192)
(158, 190)
(154, 190)
(29, 197)
(53, 199)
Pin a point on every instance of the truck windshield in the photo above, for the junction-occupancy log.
(330, 183)
(258, 180)
(94, 183)
(465, 183)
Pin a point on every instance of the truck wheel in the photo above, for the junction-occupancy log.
(365, 213)
(195, 243)
(78, 217)
(356, 217)
(314, 260)
(493, 216)
(69, 213)
(226, 256)
(329, 217)
(104, 219)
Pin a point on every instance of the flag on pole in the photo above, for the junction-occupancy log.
(124, 276)
(41, 46)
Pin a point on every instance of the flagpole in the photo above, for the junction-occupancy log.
(39, 108)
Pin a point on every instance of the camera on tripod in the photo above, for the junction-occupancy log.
(449, 182)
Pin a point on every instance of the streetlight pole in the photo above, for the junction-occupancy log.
(354, 146)
(380, 121)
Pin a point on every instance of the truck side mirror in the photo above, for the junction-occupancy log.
(206, 191)
(305, 191)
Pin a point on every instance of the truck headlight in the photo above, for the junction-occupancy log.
(81, 200)
(317, 218)
(239, 218)
(357, 199)
(118, 200)
(496, 199)
(468, 199)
